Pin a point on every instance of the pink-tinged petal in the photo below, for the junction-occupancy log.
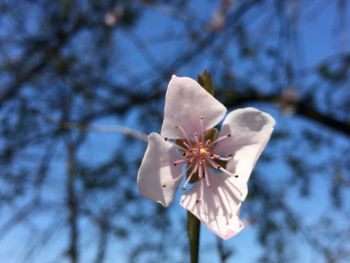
(157, 173)
(185, 102)
(220, 204)
(250, 130)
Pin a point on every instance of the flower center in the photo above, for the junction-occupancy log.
(202, 151)
(199, 155)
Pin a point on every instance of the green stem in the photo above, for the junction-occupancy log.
(193, 231)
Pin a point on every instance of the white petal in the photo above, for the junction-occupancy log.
(250, 130)
(185, 102)
(220, 205)
(157, 171)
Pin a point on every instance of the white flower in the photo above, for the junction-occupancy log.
(217, 165)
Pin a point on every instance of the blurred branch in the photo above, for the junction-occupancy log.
(294, 220)
(72, 206)
(19, 216)
(301, 107)
(49, 48)
(224, 254)
(98, 128)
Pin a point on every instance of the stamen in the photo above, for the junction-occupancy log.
(200, 170)
(179, 177)
(201, 118)
(177, 146)
(227, 172)
(207, 143)
(187, 144)
(181, 174)
(227, 135)
(194, 170)
(196, 138)
(213, 163)
(218, 157)
(206, 175)
(184, 133)
(179, 161)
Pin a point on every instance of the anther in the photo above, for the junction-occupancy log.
(218, 167)
(164, 185)
(201, 117)
(165, 138)
(236, 175)
(228, 135)
(197, 201)
(179, 162)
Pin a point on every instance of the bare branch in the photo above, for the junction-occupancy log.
(99, 128)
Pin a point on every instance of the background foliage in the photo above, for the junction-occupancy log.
(68, 192)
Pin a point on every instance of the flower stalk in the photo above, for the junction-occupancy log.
(193, 228)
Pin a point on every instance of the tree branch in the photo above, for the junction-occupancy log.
(301, 108)
(72, 206)
(98, 128)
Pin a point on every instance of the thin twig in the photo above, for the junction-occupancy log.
(99, 128)
(72, 206)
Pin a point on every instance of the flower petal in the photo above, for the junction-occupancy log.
(185, 102)
(220, 204)
(250, 130)
(156, 176)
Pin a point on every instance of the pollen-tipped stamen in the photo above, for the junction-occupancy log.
(177, 145)
(183, 132)
(228, 173)
(182, 174)
(179, 161)
(201, 120)
(194, 170)
(206, 176)
(187, 144)
(196, 138)
(221, 158)
(227, 135)
(213, 163)
(200, 170)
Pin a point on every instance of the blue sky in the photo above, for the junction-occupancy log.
(317, 41)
